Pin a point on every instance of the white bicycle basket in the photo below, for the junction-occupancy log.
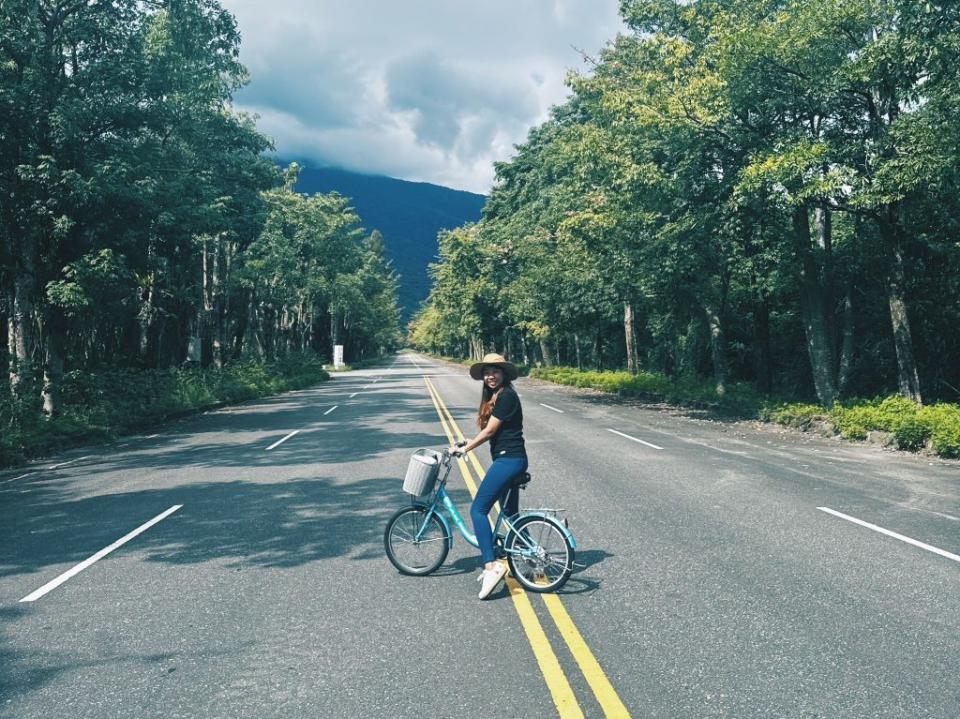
(422, 472)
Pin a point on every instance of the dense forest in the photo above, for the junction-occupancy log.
(141, 224)
(761, 191)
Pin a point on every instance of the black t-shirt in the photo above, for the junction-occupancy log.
(508, 441)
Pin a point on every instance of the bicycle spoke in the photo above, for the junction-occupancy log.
(416, 540)
(540, 554)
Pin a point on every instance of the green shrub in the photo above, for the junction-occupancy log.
(911, 434)
(851, 422)
(896, 414)
(792, 414)
(943, 421)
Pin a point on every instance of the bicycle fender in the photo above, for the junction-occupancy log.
(550, 518)
(443, 521)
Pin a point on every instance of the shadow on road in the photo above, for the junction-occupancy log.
(272, 524)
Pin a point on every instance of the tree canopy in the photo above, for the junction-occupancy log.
(735, 185)
(142, 223)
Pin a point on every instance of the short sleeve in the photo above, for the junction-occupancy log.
(506, 405)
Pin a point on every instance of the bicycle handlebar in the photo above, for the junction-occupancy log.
(446, 452)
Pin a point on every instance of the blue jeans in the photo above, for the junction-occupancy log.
(495, 486)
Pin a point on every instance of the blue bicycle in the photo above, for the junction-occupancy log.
(537, 545)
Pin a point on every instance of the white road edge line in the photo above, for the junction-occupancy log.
(14, 479)
(875, 528)
(549, 407)
(353, 395)
(330, 410)
(34, 596)
(634, 438)
(281, 441)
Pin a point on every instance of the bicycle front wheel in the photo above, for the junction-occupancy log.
(539, 554)
(416, 544)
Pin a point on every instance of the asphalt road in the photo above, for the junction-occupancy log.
(729, 569)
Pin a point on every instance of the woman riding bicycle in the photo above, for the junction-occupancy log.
(501, 423)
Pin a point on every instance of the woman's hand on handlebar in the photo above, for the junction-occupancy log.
(456, 450)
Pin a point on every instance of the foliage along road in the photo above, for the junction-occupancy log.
(232, 566)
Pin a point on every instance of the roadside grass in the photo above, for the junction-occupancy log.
(103, 405)
(912, 428)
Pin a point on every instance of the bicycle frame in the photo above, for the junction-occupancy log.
(442, 499)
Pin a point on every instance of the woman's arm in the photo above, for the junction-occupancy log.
(482, 436)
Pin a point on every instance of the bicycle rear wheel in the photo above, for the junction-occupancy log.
(411, 550)
(539, 553)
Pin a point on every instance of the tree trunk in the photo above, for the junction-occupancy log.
(147, 316)
(846, 344)
(334, 332)
(576, 344)
(19, 324)
(907, 376)
(146, 323)
(761, 320)
(813, 311)
(629, 338)
(242, 325)
(547, 352)
(52, 368)
(718, 351)
(265, 331)
(598, 350)
(216, 305)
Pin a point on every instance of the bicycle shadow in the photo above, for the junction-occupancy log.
(589, 558)
(464, 565)
(578, 582)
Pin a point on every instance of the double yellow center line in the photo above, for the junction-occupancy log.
(553, 674)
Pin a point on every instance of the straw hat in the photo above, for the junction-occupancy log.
(509, 371)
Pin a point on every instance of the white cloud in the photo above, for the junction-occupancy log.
(429, 90)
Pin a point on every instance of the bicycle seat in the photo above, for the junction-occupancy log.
(521, 481)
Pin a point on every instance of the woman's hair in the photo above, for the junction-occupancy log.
(488, 400)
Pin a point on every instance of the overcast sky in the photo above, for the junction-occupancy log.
(428, 90)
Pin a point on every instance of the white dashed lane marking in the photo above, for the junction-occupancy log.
(887, 532)
(281, 441)
(648, 444)
(51, 585)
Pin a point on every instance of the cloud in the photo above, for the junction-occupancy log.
(450, 102)
(430, 90)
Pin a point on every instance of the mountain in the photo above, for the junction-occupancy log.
(408, 214)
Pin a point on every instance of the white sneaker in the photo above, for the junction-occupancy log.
(490, 578)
